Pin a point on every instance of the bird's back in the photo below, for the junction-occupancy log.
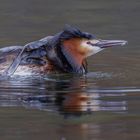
(28, 65)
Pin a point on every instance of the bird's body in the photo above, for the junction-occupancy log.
(64, 52)
(29, 65)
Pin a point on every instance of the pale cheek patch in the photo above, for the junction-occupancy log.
(85, 48)
(89, 50)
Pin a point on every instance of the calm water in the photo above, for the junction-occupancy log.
(102, 105)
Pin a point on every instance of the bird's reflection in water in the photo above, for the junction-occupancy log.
(73, 97)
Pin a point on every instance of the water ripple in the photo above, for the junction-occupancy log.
(126, 90)
(66, 94)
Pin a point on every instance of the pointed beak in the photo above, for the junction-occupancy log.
(110, 43)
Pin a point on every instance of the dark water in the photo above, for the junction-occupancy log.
(102, 105)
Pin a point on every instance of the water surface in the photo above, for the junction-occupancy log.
(102, 105)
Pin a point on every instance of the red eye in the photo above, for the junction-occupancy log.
(89, 42)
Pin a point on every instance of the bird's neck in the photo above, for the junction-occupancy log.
(74, 60)
(69, 47)
(77, 58)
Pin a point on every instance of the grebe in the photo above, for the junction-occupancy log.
(64, 52)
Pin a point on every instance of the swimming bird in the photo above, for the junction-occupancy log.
(65, 52)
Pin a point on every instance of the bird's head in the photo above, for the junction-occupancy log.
(88, 47)
(77, 45)
(84, 43)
